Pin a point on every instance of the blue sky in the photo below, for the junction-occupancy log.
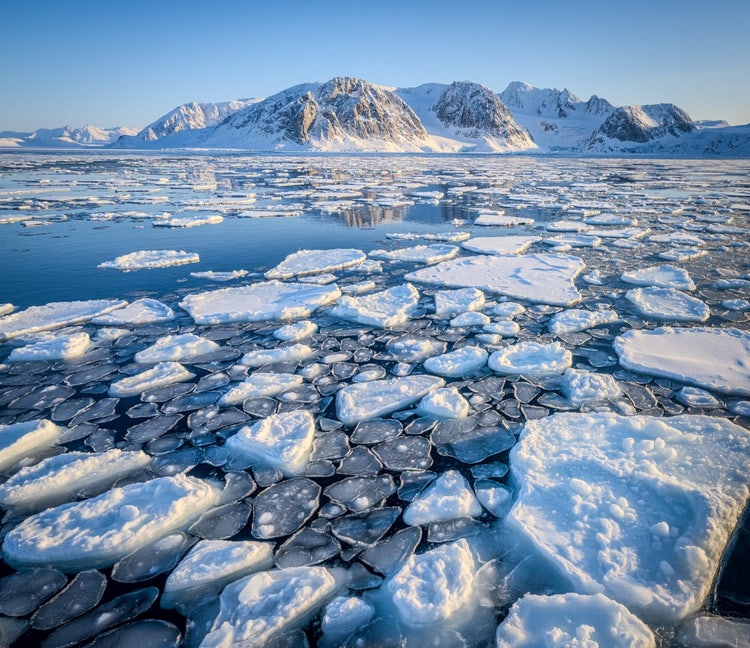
(109, 62)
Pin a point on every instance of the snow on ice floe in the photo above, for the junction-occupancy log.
(582, 387)
(176, 348)
(139, 312)
(713, 358)
(499, 244)
(446, 402)
(190, 221)
(638, 508)
(213, 275)
(594, 621)
(542, 278)
(447, 498)
(446, 237)
(268, 300)
(362, 401)
(160, 375)
(500, 220)
(63, 347)
(386, 309)
(6, 308)
(256, 609)
(575, 319)
(668, 304)
(296, 332)
(307, 262)
(457, 362)
(260, 384)
(567, 241)
(150, 259)
(470, 318)
(427, 254)
(507, 310)
(453, 302)
(531, 358)
(58, 479)
(291, 353)
(282, 441)
(343, 616)
(97, 532)
(54, 315)
(21, 440)
(663, 276)
(209, 567)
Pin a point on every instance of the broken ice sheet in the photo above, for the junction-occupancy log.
(283, 508)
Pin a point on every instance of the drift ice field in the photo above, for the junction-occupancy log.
(258, 400)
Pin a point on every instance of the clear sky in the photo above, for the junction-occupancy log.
(117, 63)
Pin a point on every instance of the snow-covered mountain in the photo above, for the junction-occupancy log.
(631, 126)
(66, 136)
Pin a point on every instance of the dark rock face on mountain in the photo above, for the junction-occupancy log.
(642, 124)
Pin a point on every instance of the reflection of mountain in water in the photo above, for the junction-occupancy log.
(368, 216)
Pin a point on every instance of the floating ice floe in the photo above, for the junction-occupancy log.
(681, 254)
(697, 397)
(427, 254)
(470, 318)
(362, 401)
(568, 226)
(342, 617)
(64, 347)
(664, 276)
(499, 244)
(447, 498)
(269, 300)
(494, 496)
(296, 332)
(594, 621)
(500, 220)
(209, 567)
(458, 362)
(582, 387)
(713, 358)
(412, 348)
(542, 278)
(189, 221)
(568, 241)
(707, 631)
(638, 508)
(98, 532)
(739, 305)
(176, 348)
(21, 440)
(307, 262)
(291, 353)
(447, 237)
(444, 403)
(531, 358)
(260, 384)
(6, 309)
(162, 374)
(452, 302)
(54, 315)
(57, 479)
(385, 309)
(677, 238)
(573, 320)
(504, 329)
(668, 304)
(213, 275)
(258, 608)
(282, 441)
(507, 310)
(139, 312)
(150, 259)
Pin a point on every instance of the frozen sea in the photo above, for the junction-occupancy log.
(374, 400)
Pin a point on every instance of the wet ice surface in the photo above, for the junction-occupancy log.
(342, 457)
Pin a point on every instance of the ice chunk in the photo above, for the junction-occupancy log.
(543, 278)
(635, 507)
(260, 384)
(21, 440)
(291, 353)
(405, 453)
(444, 403)
(531, 358)
(447, 498)
(436, 588)
(269, 300)
(572, 620)
(367, 400)
(64, 347)
(588, 387)
(706, 631)
(209, 566)
(470, 318)
(283, 508)
(507, 310)
(82, 593)
(307, 547)
(668, 304)
(139, 312)
(502, 329)
(713, 358)
(57, 479)
(54, 315)
(663, 276)
(568, 226)
(376, 430)
(343, 616)
(176, 348)
(150, 259)
(493, 496)
(307, 262)
(23, 592)
(426, 254)
(696, 397)
(6, 308)
(361, 493)
(296, 332)
(469, 443)
(257, 608)
(388, 555)
(499, 244)
(161, 375)
(144, 632)
(567, 241)
(364, 529)
(499, 220)
(282, 441)
(412, 348)
(152, 559)
(98, 532)
(574, 320)
(190, 221)
(386, 309)
(458, 362)
(213, 275)
(453, 302)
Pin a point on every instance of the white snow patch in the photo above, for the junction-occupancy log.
(500, 220)
(458, 362)
(385, 309)
(21, 440)
(447, 498)
(507, 310)
(499, 244)
(495, 497)
(504, 328)
(531, 358)
(668, 304)
(444, 403)
(161, 375)
(296, 332)
(573, 320)
(214, 275)
(64, 347)
(582, 387)
(427, 254)
(176, 348)
(291, 353)
(470, 318)
(452, 302)
(141, 311)
(663, 276)
(260, 384)
(307, 262)
(150, 259)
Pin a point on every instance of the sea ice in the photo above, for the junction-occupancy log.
(64, 347)
(582, 387)
(567, 241)
(190, 221)
(176, 348)
(447, 498)
(507, 310)
(576, 319)
(668, 304)
(343, 616)
(593, 621)
(260, 384)
(499, 220)
(663, 276)
(257, 608)
(503, 329)
(444, 403)
(707, 631)
(639, 508)
(713, 358)
(291, 353)
(677, 238)
(160, 375)
(268, 300)
(411, 348)
(543, 278)
(499, 244)
(426, 254)
(213, 275)
(283, 441)
(531, 358)
(458, 362)
(6, 308)
(568, 226)
(296, 332)
(307, 262)
(697, 397)
(386, 309)
(470, 318)
(54, 315)
(100, 531)
(495, 497)
(21, 440)
(139, 312)
(453, 302)
(367, 400)
(150, 259)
